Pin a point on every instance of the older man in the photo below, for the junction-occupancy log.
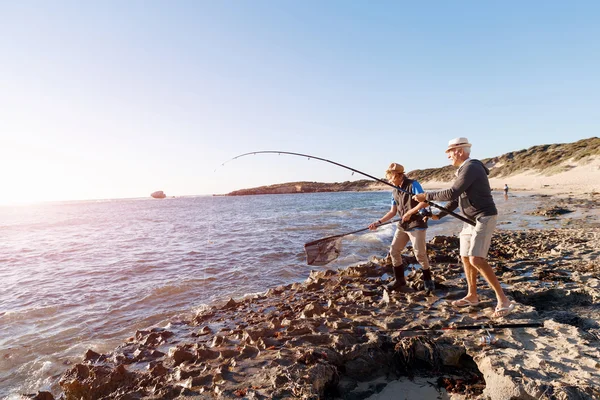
(472, 190)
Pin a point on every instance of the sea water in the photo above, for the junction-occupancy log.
(86, 275)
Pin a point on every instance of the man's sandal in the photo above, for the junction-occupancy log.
(464, 303)
(503, 311)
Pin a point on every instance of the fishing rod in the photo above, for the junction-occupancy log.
(455, 215)
(477, 327)
(484, 326)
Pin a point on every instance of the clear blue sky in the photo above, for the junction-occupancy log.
(115, 99)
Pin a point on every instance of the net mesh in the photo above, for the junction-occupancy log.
(324, 251)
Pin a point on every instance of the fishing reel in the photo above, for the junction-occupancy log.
(425, 212)
(487, 338)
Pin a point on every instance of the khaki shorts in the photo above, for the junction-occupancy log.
(475, 240)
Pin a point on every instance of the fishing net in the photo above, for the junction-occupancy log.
(323, 251)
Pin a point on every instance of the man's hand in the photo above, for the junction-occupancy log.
(434, 217)
(406, 217)
(374, 225)
(419, 197)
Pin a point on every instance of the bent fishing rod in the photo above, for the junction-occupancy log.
(455, 215)
(487, 325)
(484, 326)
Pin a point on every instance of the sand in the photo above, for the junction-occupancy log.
(578, 178)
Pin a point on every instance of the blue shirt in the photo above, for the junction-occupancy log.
(416, 189)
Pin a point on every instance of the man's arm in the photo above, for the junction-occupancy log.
(390, 214)
(450, 207)
(465, 179)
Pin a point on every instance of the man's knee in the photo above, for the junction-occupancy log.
(465, 261)
(477, 262)
(396, 258)
(395, 253)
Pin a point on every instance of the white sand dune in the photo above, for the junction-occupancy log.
(579, 177)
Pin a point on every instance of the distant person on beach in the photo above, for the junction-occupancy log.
(413, 227)
(472, 190)
(505, 189)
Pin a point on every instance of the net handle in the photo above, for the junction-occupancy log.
(346, 234)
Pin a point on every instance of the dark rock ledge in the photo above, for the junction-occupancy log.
(328, 337)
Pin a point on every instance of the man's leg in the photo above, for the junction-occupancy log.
(488, 273)
(398, 243)
(480, 244)
(471, 273)
(417, 238)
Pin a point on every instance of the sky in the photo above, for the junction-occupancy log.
(118, 99)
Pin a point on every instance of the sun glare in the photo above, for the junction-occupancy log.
(33, 177)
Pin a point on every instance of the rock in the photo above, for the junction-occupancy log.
(159, 194)
(180, 355)
(43, 396)
(91, 355)
(312, 309)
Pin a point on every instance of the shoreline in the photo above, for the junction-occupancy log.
(324, 336)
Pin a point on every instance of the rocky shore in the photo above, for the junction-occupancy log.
(339, 335)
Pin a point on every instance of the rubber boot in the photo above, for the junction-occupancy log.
(428, 281)
(399, 282)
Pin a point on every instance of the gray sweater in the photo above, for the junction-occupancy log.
(471, 189)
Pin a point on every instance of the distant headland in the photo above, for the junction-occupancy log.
(312, 187)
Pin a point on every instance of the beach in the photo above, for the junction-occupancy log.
(200, 199)
(577, 178)
(338, 335)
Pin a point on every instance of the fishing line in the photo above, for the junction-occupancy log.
(464, 219)
(208, 229)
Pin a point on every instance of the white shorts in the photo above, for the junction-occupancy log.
(475, 240)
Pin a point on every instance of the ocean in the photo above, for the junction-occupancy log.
(87, 275)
